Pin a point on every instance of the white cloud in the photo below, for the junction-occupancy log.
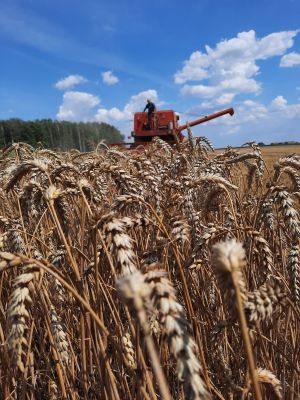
(275, 44)
(77, 106)
(277, 121)
(109, 78)
(201, 90)
(69, 82)
(136, 103)
(230, 68)
(285, 110)
(251, 110)
(194, 69)
(225, 98)
(222, 100)
(109, 115)
(290, 60)
(279, 102)
(81, 106)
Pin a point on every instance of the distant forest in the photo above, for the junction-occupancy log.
(57, 135)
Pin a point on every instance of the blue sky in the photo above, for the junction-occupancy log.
(100, 60)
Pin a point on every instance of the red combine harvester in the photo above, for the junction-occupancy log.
(164, 124)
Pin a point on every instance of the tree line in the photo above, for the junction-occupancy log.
(57, 135)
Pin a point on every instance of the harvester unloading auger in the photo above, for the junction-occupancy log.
(163, 124)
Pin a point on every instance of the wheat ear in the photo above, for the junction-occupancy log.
(175, 329)
(135, 292)
(266, 376)
(18, 315)
(228, 259)
(293, 267)
(261, 303)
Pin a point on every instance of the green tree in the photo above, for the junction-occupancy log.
(58, 135)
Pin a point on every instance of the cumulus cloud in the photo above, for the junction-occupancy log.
(81, 106)
(109, 115)
(251, 111)
(135, 103)
(286, 111)
(195, 69)
(279, 103)
(278, 120)
(290, 60)
(77, 106)
(230, 68)
(225, 98)
(109, 78)
(69, 82)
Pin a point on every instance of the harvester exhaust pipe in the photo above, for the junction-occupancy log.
(207, 118)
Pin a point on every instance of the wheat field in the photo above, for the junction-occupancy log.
(163, 273)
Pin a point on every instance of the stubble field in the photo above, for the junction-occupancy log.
(164, 273)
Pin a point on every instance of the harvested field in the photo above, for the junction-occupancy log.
(271, 154)
(156, 274)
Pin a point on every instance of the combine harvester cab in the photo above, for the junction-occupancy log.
(163, 124)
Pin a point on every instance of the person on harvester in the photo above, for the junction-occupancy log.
(150, 106)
